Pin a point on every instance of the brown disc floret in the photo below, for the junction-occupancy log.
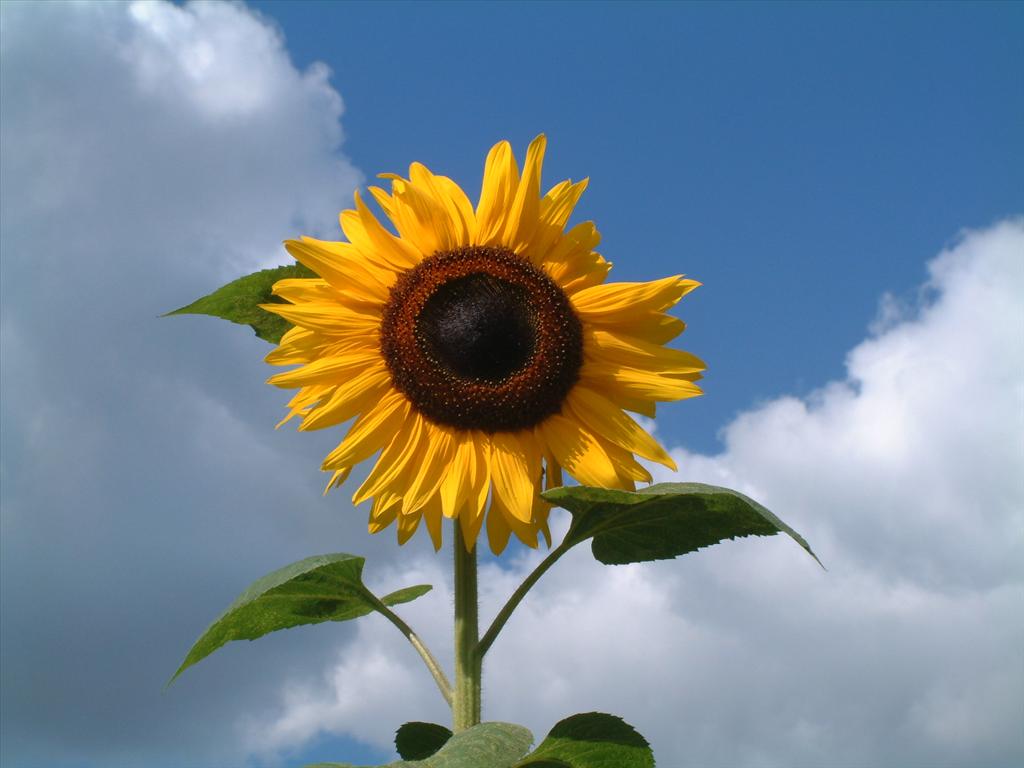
(479, 338)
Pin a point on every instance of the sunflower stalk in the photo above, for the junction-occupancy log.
(468, 659)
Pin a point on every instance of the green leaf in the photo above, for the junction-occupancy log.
(591, 740)
(416, 741)
(239, 301)
(311, 591)
(488, 745)
(662, 521)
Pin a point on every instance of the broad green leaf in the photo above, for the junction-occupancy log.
(311, 591)
(662, 521)
(591, 740)
(416, 741)
(488, 745)
(239, 301)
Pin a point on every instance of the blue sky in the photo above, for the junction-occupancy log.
(843, 178)
(796, 159)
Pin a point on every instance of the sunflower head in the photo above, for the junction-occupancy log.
(479, 352)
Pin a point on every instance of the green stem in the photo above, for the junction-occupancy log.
(468, 659)
(517, 597)
(428, 658)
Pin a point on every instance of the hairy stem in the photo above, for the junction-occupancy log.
(468, 659)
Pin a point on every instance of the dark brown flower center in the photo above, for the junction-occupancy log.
(479, 338)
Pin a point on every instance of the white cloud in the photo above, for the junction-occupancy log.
(150, 152)
(153, 121)
(907, 479)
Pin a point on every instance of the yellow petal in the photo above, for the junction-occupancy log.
(525, 531)
(297, 335)
(471, 516)
(620, 349)
(652, 327)
(304, 399)
(578, 452)
(602, 417)
(555, 209)
(407, 525)
(305, 349)
(354, 396)
(449, 198)
(433, 518)
(330, 370)
(639, 405)
(501, 522)
(463, 208)
(628, 468)
(477, 500)
(338, 477)
(521, 220)
(370, 432)
(345, 273)
(419, 219)
(383, 512)
(296, 289)
(470, 525)
(515, 469)
(632, 298)
(498, 530)
(332, 319)
(399, 460)
(435, 455)
(373, 241)
(541, 511)
(572, 261)
(595, 274)
(576, 244)
(552, 472)
(297, 345)
(636, 383)
(456, 486)
(366, 273)
(501, 180)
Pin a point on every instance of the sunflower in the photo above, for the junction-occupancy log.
(479, 352)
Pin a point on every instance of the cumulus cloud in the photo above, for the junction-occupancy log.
(151, 151)
(906, 478)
